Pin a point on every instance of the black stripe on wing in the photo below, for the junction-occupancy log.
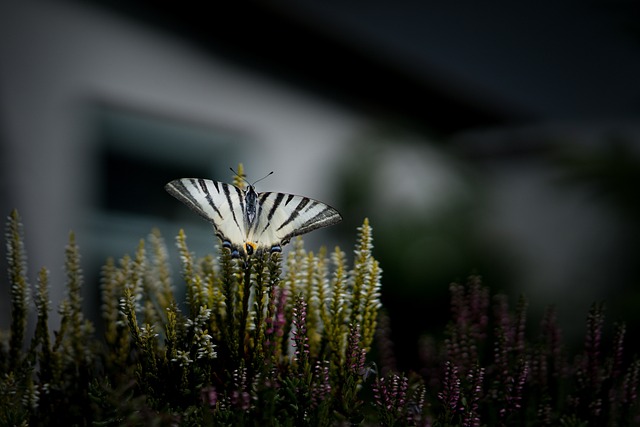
(226, 189)
(323, 218)
(276, 204)
(205, 190)
(314, 214)
(298, 209)
(194, 193)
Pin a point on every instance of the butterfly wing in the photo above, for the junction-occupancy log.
(282, 216)
(219, 203)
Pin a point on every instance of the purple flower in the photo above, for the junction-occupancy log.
(209, 396)
(320, 387)
(299, 338)
(450, 395)
(356, 355)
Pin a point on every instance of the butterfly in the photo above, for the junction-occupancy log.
(248, 222)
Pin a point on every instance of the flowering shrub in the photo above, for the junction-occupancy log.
(287, 342)
(252, 345)
(487, 372)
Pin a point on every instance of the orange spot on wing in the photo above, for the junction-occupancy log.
(250, 247)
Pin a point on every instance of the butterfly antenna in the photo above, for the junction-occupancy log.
(264, 177)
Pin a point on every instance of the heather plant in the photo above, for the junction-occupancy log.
(487, 371)
(286, 340)
(268, 340)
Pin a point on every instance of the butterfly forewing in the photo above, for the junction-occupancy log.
(283, 216)
(220, 203)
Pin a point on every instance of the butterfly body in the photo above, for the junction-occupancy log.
(248, 222)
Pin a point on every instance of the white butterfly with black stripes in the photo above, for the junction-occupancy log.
(248, 222)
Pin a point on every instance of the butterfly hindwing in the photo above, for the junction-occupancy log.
(217, 202)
